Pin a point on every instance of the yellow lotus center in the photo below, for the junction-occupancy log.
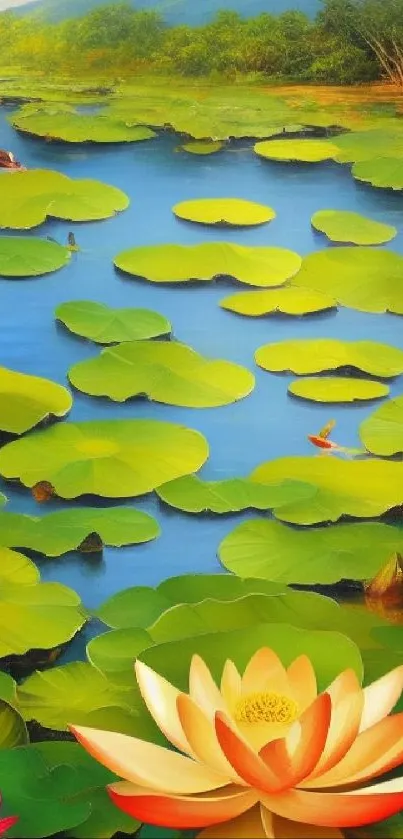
(266, 707)
(97, 448)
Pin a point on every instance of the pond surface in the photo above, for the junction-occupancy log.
(267, 424)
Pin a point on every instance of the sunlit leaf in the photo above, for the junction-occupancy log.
(73, 127)
(30, 197)
(104, 325)
(369, 280)
(297, 151)
(370, 144)
(193, 495)
(384, 172)
(337, 389)
(345, 226)
(382, 432)
(27, 400)
(288, 301)
(164, 371)
(255, 266)
(318, 355)
(202, 147)
(28, 257)
(13, 730)
(224, 211)
(110, 458)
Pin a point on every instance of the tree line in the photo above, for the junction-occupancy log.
(350, 41)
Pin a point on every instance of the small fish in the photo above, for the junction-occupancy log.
(322, 441)
(43, 492)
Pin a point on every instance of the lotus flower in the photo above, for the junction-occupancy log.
(264, 756)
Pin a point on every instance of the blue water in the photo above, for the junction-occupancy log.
(267, 424)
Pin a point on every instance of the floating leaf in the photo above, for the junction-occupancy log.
(7, 688)
(140, 606)
(13, 730)
(110, 458)
(165, 372)
(367, 280)
(273, 551)
(334, 389)
(27, 400)
(344, 226)
(263, 267)
(57, 788)
(33, 615)
(318, 355)
(105, 325)
(359, 488)
(384, 172)
(193, 495)
(68, 530)
(79, 693)
(30, 197)
(288, 301)
(28, 257)
(72, 127)
(367, 145)
(224, 211)
(202, 147)
(382, 432)
(297, 151)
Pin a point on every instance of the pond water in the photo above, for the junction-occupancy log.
(267, 424)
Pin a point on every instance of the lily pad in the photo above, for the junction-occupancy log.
(165, 372)
(28, 257)
(367, 280)
(344, 226)
(224, 211)
(13, 731)
(83, 528)
(288, 301)
(202, 147)
(357, 146)
(104, 325)
(110, 458)
(193, 495)
(27, 400)
(140, 606)
(326, 555)
(55, 787)
(72, 127)
(384, 172)
(297, 151)
(334, 389)
(316, 355)
(79, 693)
(29, 198)
(382, 432)
(357, 488)
(255, 266)
(34, 615)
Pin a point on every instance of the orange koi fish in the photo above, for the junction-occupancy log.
(321, 441)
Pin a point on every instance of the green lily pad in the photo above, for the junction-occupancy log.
(163, 371)
(318, 355)
(28, 257)
(325, 555)
(255, 266)
(224, 211)
(27, 400)
(8, 689)
(383, 172)
(34, 615)
(79, 693)
(368, 145)
(72, 127)
(29, 198)
(140, 606)
(297, 151)
(363, 279)
(193, 495)
(104, 325)
(56, 787)
(13, 731)
(357, 488)
(344, 226)
(288, 301)
(110, 458)
(82, 528)
(172, 659)
(334, 389)
(382, 432)
(202, 147)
